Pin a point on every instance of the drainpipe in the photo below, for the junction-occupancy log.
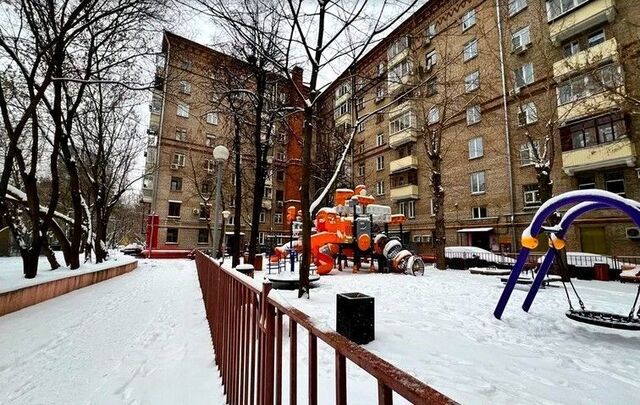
(507, 134)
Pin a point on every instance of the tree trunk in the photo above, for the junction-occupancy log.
(101, 237)
(439, 235)
(30, 259)
(51, 256)
(260, 169)
(237, 218)
(305, 202)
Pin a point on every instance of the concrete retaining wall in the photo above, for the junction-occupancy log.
(21, 298)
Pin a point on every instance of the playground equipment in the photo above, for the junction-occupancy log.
(586, 201)
(348, 230)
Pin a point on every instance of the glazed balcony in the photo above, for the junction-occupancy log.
(605, 51)
(403, 137)
(619, 152)
(407, 192)
(581, 18)
(405, 163)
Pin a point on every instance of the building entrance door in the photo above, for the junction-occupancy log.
(481, 240)
(593, 240)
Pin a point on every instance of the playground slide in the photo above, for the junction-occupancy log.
(322, 251)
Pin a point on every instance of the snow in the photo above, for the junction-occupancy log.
(140, 338)
(440, 329)
(12, 277)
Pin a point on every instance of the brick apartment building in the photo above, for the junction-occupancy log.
(189, 117)
(498, 77)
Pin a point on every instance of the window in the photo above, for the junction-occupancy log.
(204, 211)
(174, 209)
(212, 118)
(263, 217)
(469, 19)
(381, 68)
(595, 38)
(571, 48)
(586, 182)
(411, 209)
(232, 219)
(470, 50)
(431, 59)
(380, 188)
(147, 182)
(527, 114)
(178, 159)
(379, 118)
(595, 131)
(279, 196)
(528, 153)
(186, 64)
(431, 87)
(580, 87)
(431, 31)
(211, 140)
(406, 120)
(434, 115)
(432, 208)
(360, 104)
(277, 218)
(156, 106)
(209, 165)
(361, 169)
(203, 236)
(398, 46)
(380, 93)
(344, 88)
(172, 235)
(478, 212)
(402, 208)
(473, 115)
(183, 110)
(397, 72)
(205, 187)
(380, 162)
(360, 127)
(342, 109)
(520, 39)
(478, 185)
(556, 8)
(380, 139)
(524, 75)
(181, 134)
(614, 182)
(516, 6)
(472, 81)
(531, 195)
(476, 148)
(280, 175)
(185, 87)
(176, 183)
(261, 238)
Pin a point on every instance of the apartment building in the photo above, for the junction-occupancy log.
(518, 89)
(191, 113)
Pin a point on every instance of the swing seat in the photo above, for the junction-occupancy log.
(604, 319)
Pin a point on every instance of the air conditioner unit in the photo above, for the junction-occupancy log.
(633, 233)
(416, 239)
(175, 166)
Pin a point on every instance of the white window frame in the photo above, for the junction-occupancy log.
(380, 139)
(524, 75)
(211, 140)
(397, 47)
(181, 134)
(527, 155)
(167, 241)
(478, 182)
(533, 196)
(277, 218)
(468, 19)
(402, 122)
(472, 81)
(476, 212)
(380, 162)
(263, 217)
(522, 37)
(431, 31)
(432, 208)
(431, 59)
(182, 110)
(411, 209)
(380, 187)
(185, 87)
(178, 159)
(470, 50)
(527, 114)
(476, 147)
(212, 118)
(474, 114)
(516, 6)
(361, 169)
(169, 202)
(558, 8)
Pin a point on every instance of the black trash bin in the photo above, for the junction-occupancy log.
(355, 317)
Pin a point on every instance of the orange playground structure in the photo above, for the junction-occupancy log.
(347, 230)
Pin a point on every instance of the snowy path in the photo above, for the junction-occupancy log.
(140, 338)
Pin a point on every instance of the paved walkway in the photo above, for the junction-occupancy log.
(140, 338)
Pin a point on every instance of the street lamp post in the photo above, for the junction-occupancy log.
(220, 155)
(225, 216)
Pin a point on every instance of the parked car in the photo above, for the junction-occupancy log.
(133, 249)
(463, 257)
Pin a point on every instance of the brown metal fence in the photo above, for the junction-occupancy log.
(247, 333)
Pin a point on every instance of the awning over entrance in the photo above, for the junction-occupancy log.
(231, 233)
(469, 230)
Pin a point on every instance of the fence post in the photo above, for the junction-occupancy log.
(268, 346)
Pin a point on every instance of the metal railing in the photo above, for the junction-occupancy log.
(247, 324)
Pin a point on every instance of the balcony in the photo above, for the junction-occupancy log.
(619, 152)
(147, 195)
(608, 50)
(403, 137)
(343, 119)
(408, 192)
(405, 163)
(601, 102)
(398, 57)
(581, 18)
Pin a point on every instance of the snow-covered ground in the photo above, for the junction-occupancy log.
(140, 338)
(440, 328)
(12, 277)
